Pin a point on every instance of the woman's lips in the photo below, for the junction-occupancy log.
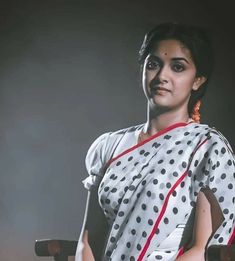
(162, 89)
(159, 90)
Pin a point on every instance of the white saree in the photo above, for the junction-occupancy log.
(148, 190)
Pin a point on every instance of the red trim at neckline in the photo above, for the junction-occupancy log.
(161, 132)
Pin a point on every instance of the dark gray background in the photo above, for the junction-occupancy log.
(69, 72)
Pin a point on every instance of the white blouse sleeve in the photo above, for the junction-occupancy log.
(215, 171)
(96, 159)
(221, 180)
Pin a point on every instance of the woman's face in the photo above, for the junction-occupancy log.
(169, 76)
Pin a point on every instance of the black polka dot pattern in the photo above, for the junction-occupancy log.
(158, 183)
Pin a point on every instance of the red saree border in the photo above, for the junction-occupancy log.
(180, 252)
(232, 238)
(143, 252)
(176, 125)
(164, 207)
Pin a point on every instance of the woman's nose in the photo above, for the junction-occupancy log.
(162, 75)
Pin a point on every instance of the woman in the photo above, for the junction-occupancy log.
(165, 187)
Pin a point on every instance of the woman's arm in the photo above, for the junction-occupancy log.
(202, 230)
(94, 231)
(86, 252)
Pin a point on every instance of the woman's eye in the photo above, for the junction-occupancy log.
(178, 67)
(152, 65)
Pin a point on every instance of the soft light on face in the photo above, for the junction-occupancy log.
(169, 76)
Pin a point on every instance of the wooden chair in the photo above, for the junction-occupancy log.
(59, 249)
(62, 249)
(221, 253)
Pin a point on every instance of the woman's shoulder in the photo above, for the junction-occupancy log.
(213, 136)
(104, 145)
(112, 136)
(209, 134)
(217, 137)
(127, 131)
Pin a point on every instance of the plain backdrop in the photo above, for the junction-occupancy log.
(68, 73)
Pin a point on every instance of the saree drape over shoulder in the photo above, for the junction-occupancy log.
(148, 190)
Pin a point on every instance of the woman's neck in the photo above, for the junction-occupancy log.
(157, 121)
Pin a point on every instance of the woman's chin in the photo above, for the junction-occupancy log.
(159, 102)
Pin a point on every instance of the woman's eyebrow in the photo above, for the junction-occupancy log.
(180, 59)
(157, 58)
(154, 57)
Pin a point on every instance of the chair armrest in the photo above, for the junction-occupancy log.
(55, 247)
(221, 253)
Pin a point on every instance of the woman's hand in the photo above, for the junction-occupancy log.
(87, 254)
(193, 254)
(84, 252)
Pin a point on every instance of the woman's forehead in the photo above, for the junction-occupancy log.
(171, 47)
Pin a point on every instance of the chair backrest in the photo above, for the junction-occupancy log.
(221, 253)
(59, 249)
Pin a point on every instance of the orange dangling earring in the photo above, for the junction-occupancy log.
(196, 116)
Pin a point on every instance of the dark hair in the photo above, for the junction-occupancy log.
(196, 39)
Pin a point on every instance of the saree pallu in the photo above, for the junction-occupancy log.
(148, 190)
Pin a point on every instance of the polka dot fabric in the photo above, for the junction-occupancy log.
(148, 190)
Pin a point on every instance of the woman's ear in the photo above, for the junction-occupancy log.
(198, 82)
